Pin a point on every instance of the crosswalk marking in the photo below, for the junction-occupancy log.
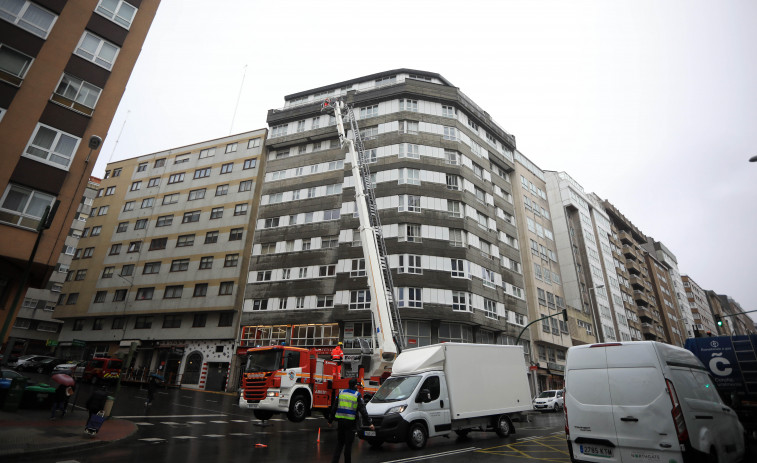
(185, 437)
(169, 422)
(219, 422)
(240, 421)
(152, 439)
(239, 434)
(195, 422)
(213, 435)
(145, 424)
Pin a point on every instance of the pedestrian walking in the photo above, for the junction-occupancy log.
(152, 385)
(60, 400)
(96, 401)
(345, 410)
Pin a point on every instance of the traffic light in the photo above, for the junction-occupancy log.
(718, 320)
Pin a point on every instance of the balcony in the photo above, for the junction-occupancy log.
(630, 252)
(649, 331)
(641, 298)
(633, 267)
(637, 282)
(625, 237)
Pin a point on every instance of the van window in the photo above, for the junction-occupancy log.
(433, 385)
(693, 383)
(635, 386)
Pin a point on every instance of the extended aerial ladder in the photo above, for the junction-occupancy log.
(386, 317)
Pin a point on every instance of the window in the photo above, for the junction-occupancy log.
(77, 94)
(240, 209)
(249, 164)
(314, 123)
(207, 153)
(245, 185)
(96, 230)
(461, 301)
(159, 163)
(134, 246)
(100, 296)
(227, 168)
(222, 190)
(97, 50)
(408, 105)
(409, 150)
(143, 322)
(78, 324)
(201, 290)
(301, 126)
(453, 182)
(360, 299)
(457, 237)
(173, 292)
(254, 143)
(171, 199)
(278, 130)
(108, 272)
(235, 234)
(128, 206)
(358, 268)
(409, 263)
(226, 288)
(151, 268)
(303, 272)
(118, 11)
(225, 318)
(488, 277)
(115, 249)
(206, 263)
(449, 111)
(28, 16)
(260, 304)
(409, 176)
(175, 178)
(458, 268)
(102, 211)
(450, 133)
(369, 133)
(196, 194)
(263, 275)
(52, 146)
(410, 232)
(410, 297)
(23, 206)
(140, 224)
(88, 253)
(185, 241)
(324, 301)
(326, 270)
(192, 216)
(148, 202)
(231, 148)
(81, 275)
(410, 127)
(202, 173)
(216, 213)
(164, 221)
(454, 208)
(145, 294)
(490, 308)
(180, 265)
(231, 260)
(119, 295)
(13, 65)
(142, 167)
(211, 237)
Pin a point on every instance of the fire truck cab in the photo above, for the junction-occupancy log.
(291, 380)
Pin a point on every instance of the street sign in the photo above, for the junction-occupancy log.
(78, 343)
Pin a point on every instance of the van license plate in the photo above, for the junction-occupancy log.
(596, 451)
(370, 433)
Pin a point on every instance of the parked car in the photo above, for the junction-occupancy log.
(43, 365)
(102, 369)
(549, 400)
(73, 368)
(27, 358)
(645, 401)
(7, 375)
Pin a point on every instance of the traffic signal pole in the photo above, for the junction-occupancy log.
(563, 312)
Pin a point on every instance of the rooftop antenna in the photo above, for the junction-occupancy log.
(119, 136)
(244, 72)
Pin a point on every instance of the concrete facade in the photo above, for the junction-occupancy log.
(704, 322)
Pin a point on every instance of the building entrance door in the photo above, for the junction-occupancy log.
(217, 372)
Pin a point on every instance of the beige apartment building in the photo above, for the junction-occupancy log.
(161, 265)
(550, 338)
(704, 322)
(63, 68)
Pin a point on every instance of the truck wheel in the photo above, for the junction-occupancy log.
(298, 408)
(503, 426)
(263, 414)
(462, 433)
(417, 436)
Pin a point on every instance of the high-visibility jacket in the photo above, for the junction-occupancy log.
(336, 353)
(347, 405)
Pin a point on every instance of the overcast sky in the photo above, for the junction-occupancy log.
(651, 104)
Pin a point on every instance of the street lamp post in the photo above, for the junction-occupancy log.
(600, 334)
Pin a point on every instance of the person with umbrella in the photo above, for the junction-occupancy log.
(152, 385)
(64, 390)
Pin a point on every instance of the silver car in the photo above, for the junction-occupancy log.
(549, 400)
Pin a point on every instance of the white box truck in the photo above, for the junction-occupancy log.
(451, 387)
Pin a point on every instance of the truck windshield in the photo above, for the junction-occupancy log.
(264, 360)
(395, 389)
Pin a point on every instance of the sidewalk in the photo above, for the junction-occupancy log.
(31, 432)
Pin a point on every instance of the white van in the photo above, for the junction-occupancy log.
(645, 402)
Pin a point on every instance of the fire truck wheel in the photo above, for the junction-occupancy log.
(298, 408)
(263, 414)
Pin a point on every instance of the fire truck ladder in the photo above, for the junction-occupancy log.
(370, 197)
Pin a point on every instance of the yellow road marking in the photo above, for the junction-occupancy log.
(534, 449)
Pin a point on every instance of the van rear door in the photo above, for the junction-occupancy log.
(641, 405)
(591, 430)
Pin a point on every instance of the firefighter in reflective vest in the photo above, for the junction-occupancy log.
(337, 355)
(345, 410)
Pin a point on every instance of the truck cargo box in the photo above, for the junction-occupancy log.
(483, 379)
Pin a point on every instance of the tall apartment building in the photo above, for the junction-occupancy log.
(63, 68)
(582, 233)
(735, 321)
(35, 331)
(663, 290)
(668, 260)
(163, 260)
(704, 322)
(550, 338)
(441, 168)
(647, 306)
